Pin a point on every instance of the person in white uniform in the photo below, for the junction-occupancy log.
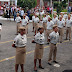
(55, 19)
(47, 15)
(68, 27)
(28, 21)
(25, 22)
(41, 15)
(53, 39)
(38, 54)
(49, 29)
(61, 25)
(45, 22)
(19, 43)
(65, 15)
(33, 17)
(36, 23)
(18, 21)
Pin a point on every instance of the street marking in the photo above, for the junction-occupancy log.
(14, 56)
(6, 42)
(11, 41)
(26, 53)
(56, 65)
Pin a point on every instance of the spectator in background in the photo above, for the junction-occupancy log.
(8, 13)
(48, 9)
(22, 13)
(0, 30)
(28, 13)
(15, 14)
(69, 9)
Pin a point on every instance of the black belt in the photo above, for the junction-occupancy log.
(68, 27)
(22, 47)
(44, 22)
(59, 28)
(53, 43)
(39, 44)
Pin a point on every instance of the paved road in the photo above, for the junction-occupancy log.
(7, 53)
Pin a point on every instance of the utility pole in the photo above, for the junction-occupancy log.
(68, 2)
(59, 1)
(41, 3)
(52, 8)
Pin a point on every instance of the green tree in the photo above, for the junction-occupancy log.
(27, 3)
(60, 6)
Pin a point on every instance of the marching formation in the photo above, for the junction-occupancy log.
(46, 29)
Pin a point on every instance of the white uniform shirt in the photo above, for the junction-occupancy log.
(41, 13)
(0, 27)
(71, 16)
(18, 19)
(63, 19)
(68, 23)
(45, 19)
(39, 38)
(37, 13)
(54, 37)
(47, 16)
(36, 20)
(20, 41)
(22, 12)
(27, 17)
(50, 25)
(60, 23)
(65, 16)
(33, 18)
(57, 16)
(24, 22)
(55, 20)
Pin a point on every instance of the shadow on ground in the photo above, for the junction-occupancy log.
(67, 71)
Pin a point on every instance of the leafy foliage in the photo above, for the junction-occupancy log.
(27, 3)
(60, 6)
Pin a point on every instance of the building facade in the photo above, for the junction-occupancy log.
(9, 2)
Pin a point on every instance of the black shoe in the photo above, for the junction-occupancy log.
(41, 67)
(47, 43)
(66, 39)
(35, 70)
(16, 34)
(60, 41)
(55, 61)
(69, 39)
(49, 63)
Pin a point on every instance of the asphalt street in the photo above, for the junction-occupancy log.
(7, 53)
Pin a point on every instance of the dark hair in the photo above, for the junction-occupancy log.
(39, 29)
(55, 27)
(0, 23)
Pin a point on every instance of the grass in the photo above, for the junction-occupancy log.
(64, 10)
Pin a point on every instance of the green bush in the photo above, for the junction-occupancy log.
(27, 3)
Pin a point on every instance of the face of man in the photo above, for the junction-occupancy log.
(68, 17)
(24, 17)
(60, 18)
(49, 19)
(44, 15)
(41, 30)
(54, 16)
(56, 29)
(22, 32)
